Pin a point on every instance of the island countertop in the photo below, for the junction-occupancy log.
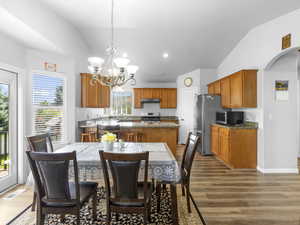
(130, 124)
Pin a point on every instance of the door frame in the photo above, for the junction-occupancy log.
(21, 171)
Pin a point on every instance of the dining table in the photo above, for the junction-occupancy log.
(162, 166)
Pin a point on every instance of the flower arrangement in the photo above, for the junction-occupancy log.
(108, 137)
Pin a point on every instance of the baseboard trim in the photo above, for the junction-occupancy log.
(282, 170)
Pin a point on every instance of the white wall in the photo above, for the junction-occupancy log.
(262, 44)
(280, 145)
(12, 52)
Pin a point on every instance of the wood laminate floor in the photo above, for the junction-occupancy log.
(224, 196)
(244, 197)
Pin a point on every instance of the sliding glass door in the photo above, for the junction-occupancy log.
(8, 129)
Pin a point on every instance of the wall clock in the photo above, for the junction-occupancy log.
(188, 82)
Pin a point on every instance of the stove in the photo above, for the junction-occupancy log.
(150, 117)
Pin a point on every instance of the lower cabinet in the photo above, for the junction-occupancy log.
(237, 148)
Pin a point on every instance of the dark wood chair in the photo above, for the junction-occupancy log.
(190, 150)
(39, 143)
(55, 193)
(127, 195)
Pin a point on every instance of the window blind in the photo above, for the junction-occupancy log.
(121, 102)
(48, 106)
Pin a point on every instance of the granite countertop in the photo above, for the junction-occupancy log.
(246, 125)
(91, 124)
(125, 118)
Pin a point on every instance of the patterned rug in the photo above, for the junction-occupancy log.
(164, 217)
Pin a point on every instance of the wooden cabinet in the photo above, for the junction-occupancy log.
(167, 96)
(224, 144)
(217, 87)
(147, 92)
(238, 90)
(138, 92)
(225, 92)
(214, 140)
(211, 89)
(237, 148)
(93, 95)
(172, 97)
(156, 93)
(243, 89)
(214, 88)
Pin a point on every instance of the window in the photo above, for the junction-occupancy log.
(49, 106)
(121, 102)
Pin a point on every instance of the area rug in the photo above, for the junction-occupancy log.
(164, 217)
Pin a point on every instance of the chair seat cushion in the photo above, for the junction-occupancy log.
(133, 202)
(86, 190)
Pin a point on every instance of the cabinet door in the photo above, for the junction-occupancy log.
(214, 138)
(137, 97)
(217, 88)
(164, 98)
(104, 97)
(225, 92)
(224, 144)
(156, 93)
(147, 93)
(211, 89)
(250, 88)
(236, 90)
(89, 92)
(172, 97)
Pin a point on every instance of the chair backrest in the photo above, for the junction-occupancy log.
(40, 143)
(125, 173)
(51, 175)
(189, 153)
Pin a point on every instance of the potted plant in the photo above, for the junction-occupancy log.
(108, 140)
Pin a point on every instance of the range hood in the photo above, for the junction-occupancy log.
(150, 100)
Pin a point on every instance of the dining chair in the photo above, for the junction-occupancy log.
(39, 143)
(190, 149)
(127, 195)
(55, 193)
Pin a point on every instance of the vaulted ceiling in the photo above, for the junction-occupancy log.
(195, 33)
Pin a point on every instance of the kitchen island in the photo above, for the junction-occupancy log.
(166, 132)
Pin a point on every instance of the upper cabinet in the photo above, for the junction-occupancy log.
(225, 92)
(138, 92)
(167, 96)
(214, 88)
(93, 95)
(238, 90)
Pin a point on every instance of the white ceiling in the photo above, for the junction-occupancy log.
(195, 33)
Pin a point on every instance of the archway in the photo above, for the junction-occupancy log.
(278, 144)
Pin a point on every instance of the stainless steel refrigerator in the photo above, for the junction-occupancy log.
(205, 115)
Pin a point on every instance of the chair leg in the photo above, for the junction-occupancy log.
(183, 191)
(145, 216)
(33, 201)
(158, 196)
(188, 198)
(40, 217)
(78, 217)
(95, 206)
(108, 216)
(197, 209)
(149, 212)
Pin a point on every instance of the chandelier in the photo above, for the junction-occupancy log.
(113, 71)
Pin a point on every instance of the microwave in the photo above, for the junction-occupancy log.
(230, 117)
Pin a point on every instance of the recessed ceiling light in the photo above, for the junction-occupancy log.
(165, 55)
(125, 55)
